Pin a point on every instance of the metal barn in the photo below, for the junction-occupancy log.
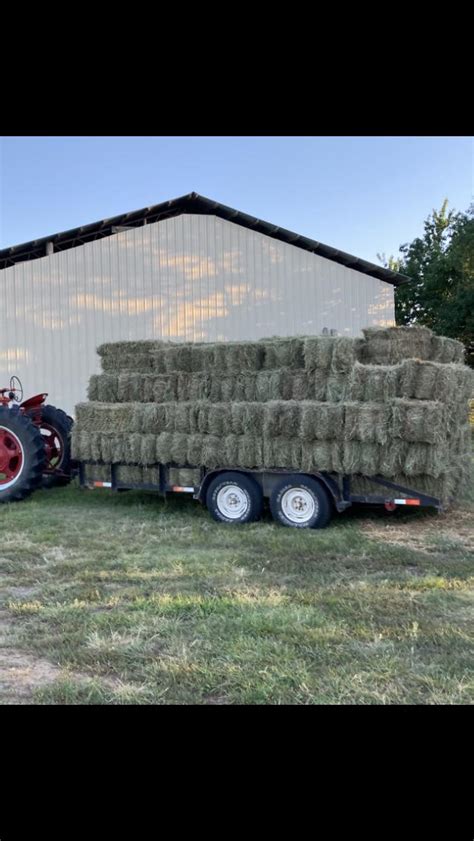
(190, 269)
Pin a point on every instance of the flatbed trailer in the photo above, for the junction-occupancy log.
(297, 499)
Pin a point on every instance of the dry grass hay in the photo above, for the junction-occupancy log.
(321, 421)
(318, 352)
(417, 420)
(184, 477)
(337, 388)
(446, 350)
(366, 422)
(370, 383)
(388, 345)
(281, 418)
(283, 353)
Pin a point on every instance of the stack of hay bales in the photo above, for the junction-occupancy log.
(393, 403)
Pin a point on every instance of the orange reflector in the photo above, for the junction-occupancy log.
(407, 501)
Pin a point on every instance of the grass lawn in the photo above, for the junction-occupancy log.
(124, 598)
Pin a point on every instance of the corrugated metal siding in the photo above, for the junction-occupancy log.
(191, 277)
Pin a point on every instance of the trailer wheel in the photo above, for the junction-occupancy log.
(301, 502)
(55, 430)
(21, 456)
(234, 498)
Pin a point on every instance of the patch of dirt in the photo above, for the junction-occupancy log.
(22, 592)
(421, 533)
(21, 674)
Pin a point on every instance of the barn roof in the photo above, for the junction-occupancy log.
(190, 203)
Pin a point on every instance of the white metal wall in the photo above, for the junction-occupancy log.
(191, 278)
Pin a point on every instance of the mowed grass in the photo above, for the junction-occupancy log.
(125, 598)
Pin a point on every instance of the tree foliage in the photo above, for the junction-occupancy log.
(441, 266)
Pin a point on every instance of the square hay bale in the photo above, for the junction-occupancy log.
(283, 353)
(370, 383)
(158, 361)
(282, 452)
(152, 417)
(179, 448)
(219, 422)
(316, 456)
(321, 421)
(446, 350)
(318, 352)
(93, 389)
(139, 363)
(427, 459)
(213, 451)
(247, 418)
(163, 447)
(417, 420)
(148, 449)
(246, 387)
(250, 451)
(202, 358)
(301, 386)
(344, 355)
(194, 453)
(164, 388)
(107, 448)
(178, 358)
(389, 345)
(337, 388)
(184, 476)
(281, 418)
(367, 422)
(243, 356)
(318, 384)
(361, 457)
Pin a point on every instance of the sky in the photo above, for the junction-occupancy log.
(363, 195)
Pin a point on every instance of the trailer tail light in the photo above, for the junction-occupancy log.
(102, 484)
(178, 489)
(406, 501)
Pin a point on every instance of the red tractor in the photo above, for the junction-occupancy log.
(35, 444)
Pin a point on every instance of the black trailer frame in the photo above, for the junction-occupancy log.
(337, 485)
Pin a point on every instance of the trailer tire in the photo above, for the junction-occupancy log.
(300, 502)
(21, 456)
(56, 421)
(234, 498)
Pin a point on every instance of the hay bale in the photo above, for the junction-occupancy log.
(318, 455)
(246, 418)
(301, 386)
(417, 420)
(337, 388)
(371, 383)
(283, 353)
(389, 345)
(446, 350)
(318, 352)
(184, 476)
(281, 418)
(282, 452)
(321, 421)
(343, 355)
(366, 422)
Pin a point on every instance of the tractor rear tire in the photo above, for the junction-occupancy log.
(21, 456)
(56, 428)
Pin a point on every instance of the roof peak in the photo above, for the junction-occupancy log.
(190, 203)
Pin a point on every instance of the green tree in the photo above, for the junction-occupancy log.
(441, 267)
